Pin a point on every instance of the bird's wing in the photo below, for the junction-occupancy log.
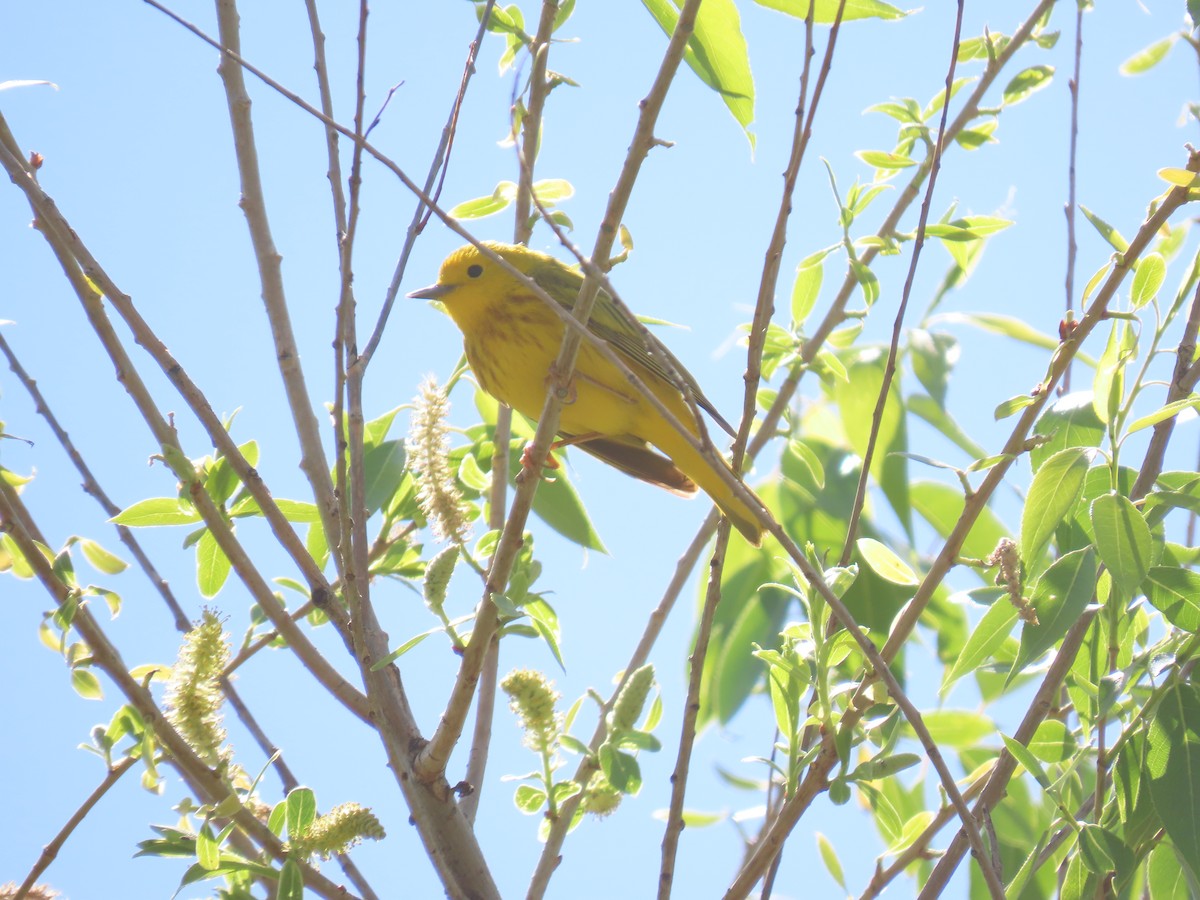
(629, 337)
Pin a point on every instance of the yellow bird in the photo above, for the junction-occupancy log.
(512, 339)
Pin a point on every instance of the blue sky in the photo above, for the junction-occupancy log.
(138, 156)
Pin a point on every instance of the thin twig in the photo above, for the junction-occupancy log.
(341, 234)
(691, 712)
(889, 370)
(588, 765)
(919, 848)
(485, 701)
(481, 736)
(84, 274)
(92, 487)
(763, 313)
(50, 851)
(433, 183)
(1069, 210)
(253, 203)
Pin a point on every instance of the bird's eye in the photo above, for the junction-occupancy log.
(474, 271)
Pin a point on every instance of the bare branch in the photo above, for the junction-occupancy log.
(50, 851)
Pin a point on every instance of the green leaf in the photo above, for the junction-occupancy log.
(884, 563)
(156, 511)
(1108, 386)
(278, 818)
(383, 469)
(292, 510)
(884, 766)
(1148, 279)
(1055, 491)
(376, 430)
(505, 193)
(1175, 593)
(929, 410)
(942, 506)
(1070, 421)
(1163, 413)
(1179, 177)
(208, 852)
(730, 673)
(1166, 876)
(805, 290)
(1123, 541)
(101, 559)
(301, 811)
(934, 355)
(529, 799)
(1026, 82)
(830, 858)
(1023, 756)
(961, 729)
(1149, 57)
(888, 162)
(803, 466)
(716, 52)
(1059, 597)
(825, 12)
(291, 881)
(988, 637)
(974, 138)
(1009, 326)
(1052, 742)
(1094, 850)
(553, 190)
(212, 566)
(1173, 763)
(1110, 234)
(621, 769)
(86, 684)
(868, 283)
(856, 400)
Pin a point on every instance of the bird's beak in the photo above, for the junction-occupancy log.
(433, 292)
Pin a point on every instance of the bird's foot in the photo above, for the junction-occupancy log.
(527, 458)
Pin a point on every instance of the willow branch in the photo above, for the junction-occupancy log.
(78, 261)
(1069, 210)
(691, 713)
(763, 313)
(71, 256)
(312, 461)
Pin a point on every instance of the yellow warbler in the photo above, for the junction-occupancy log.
(512, 339)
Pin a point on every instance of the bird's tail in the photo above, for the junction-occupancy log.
(700, 469)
